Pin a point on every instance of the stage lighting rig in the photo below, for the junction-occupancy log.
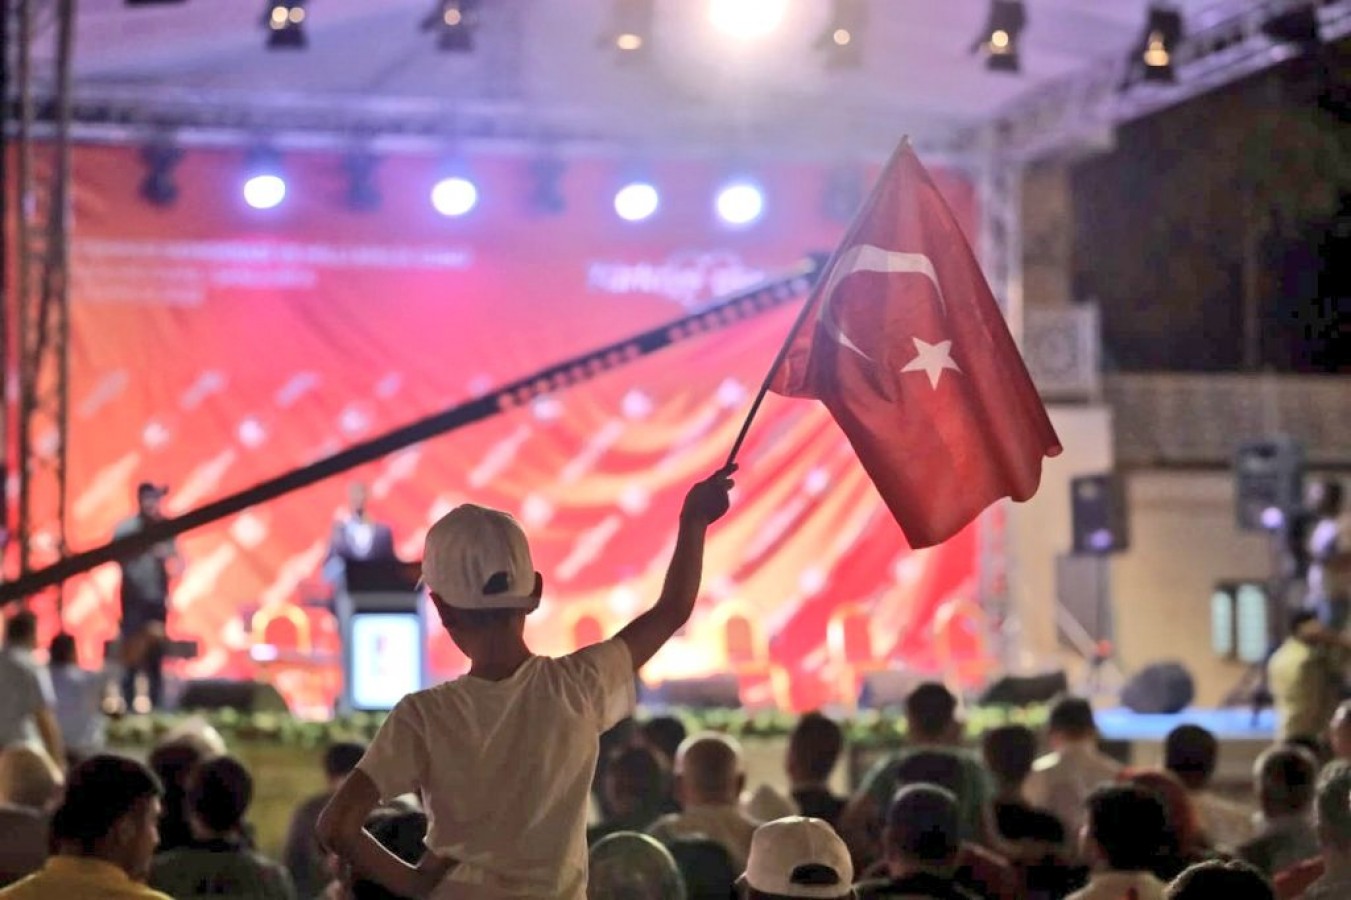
(842, 39)
(285, 24)
(454, 22)
(1002, 35)
(630, 32)
(1152, 59)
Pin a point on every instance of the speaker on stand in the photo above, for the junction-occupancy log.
(1099, 528)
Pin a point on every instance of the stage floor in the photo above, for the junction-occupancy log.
(1229, 724)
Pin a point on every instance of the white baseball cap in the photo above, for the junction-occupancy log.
(799, 857)
(478, 558)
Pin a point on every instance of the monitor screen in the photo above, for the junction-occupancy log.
(386, 659)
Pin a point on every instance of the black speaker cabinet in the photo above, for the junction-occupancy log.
(1098, 514)
(1269, 482)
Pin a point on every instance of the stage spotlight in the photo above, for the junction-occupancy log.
(264, 186)
(1154, 54)
(636, 201)
(285, 24)
(454, 22)
(454, 195)
(363, 194)
(631, 27)
(740, 203)
(1003, 31)
(158, 187)
(842, 39)
(746, 19)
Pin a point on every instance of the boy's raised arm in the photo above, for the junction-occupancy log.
(706, 502)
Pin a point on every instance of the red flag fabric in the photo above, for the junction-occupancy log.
(906, 346)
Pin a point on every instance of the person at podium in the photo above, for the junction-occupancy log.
(356, 537)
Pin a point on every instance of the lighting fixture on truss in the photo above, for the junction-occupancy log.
(1002, 35)
(454, 23)
(285, 24)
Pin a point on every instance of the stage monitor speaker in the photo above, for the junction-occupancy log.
(224, 693)
(1098, 514)
(1159, 688)
(1026, 690)
(1269, 482)
(714, 692)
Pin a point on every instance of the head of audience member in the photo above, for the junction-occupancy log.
(931, 714)
(797, 857)
(1339, 732)
(173, 762)
(61, 651)
(109, 812)
(1191, 753)
(339, 761)
(1325, 498)
(1286, 778)
(1125, 828)
(1071, 724)
(402, 833)
(705, 866)
(708, 771)
(630, 866)
(633, 784)
(923, 832)
(1232, 880)
(21, 631)
(477, 567)
(29, 778)
(1183, 829)
(814, 747)
(219, 793)
(663, 734)
(1009, 752)
(1305, 626)
(1334, 814)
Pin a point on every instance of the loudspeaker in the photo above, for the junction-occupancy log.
(1026, 690)
(1098, 514)
(1269, 482)
(1161, 688)
(224, 693)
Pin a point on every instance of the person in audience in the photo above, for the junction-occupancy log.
(1327, 875)
(103, 836)
(1226, 880)
(814, 748)
(705, 867)
(1285, 777)
(663, 735)
(1191, 753)
(1062, 780)
(305, 860)
(1339, 732)
(503, 757)
(797, 856)
(1009, 753)
(921, 842)
(173, 762)
(217, 863)
(1330, 555)
(1122, 834)
(30, 786)
(1305, 679)
(933, 727)
(27, 704)
(629, 866)
(1183, 844)
(708, 779)
(79, 699)
(633, 789)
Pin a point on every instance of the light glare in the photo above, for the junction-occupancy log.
(264, 191)
(454, 196)
(747, 19)
(740, 203)
(636, 202)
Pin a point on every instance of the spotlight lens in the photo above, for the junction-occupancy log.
(999, 40)
(453, 17)
(264, 191)
(629, 41)
(637, 201)
(746, 18)
(842, 37)
(740, 203)
(454, 196)
(297, 15)
(279, 16)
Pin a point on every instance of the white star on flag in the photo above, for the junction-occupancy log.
(932, 359)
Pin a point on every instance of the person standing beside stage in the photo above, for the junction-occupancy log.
(145, 598)
(1330, 555)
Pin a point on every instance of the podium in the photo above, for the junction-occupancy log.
(384, 634)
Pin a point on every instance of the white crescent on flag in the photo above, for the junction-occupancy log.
(868, 258)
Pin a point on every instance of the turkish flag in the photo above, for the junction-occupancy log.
(905, 344)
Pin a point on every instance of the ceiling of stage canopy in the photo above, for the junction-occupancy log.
(547, 62)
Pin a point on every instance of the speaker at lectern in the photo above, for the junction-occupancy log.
(384, 634)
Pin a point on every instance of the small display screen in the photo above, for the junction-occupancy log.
(386, 659)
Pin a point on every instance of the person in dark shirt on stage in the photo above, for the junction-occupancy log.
(145, 599)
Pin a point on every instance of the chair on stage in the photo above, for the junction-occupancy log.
(849, 642)
(746, 655)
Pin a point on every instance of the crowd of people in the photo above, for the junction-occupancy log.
(529, 777)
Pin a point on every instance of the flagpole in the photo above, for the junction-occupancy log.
(797, 326)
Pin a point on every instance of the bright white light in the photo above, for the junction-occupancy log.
(637, 201)
(747, 19)
(740, 203)
(454, 196)
(264, 191)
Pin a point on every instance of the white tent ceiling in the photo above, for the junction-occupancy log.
(540, 72)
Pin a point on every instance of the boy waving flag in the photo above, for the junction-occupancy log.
(904, 344)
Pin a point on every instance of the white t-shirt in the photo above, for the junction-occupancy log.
(504, 769)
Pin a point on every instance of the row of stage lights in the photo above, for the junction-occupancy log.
(738, 202)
